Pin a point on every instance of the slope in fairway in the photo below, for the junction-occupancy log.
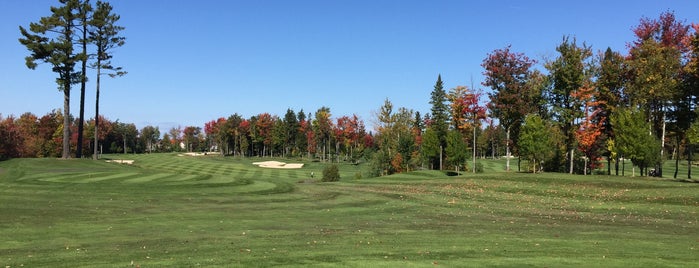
(171, 211)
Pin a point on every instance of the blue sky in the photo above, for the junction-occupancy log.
(190, 62)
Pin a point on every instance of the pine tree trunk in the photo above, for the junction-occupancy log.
(66, 120)
(83, 81)
(97, 110)
(81, 120)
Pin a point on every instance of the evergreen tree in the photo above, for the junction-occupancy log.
(51, 41)
(440, 116)
(291, 126)
(104, 34)
(303, 127)
(84, 12)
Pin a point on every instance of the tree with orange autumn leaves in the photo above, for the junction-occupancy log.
(590, 131)
(467, 113)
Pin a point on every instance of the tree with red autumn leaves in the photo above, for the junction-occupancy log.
(216, 133)
(263, 131)
(507, 74)
(9, 137)
(348, 132)
(666, 30)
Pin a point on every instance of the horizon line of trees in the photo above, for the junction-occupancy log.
(296, 134)
(582, 108)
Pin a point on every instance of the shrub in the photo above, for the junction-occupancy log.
(479, 167)
(358, 176)
(331, 173)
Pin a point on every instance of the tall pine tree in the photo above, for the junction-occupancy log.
(51, 41)
(440, 117)
(104, 34)
(84, 12)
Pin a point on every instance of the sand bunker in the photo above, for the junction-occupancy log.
(277, 164)
(198, 154)
(128, 162)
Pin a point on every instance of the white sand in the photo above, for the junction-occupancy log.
(128, 162)
(199, 154)
(277, 164)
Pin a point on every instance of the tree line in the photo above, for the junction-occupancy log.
(591, 107)
(583, 111)
(294, 135)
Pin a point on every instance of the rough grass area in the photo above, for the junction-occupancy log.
(170, 211)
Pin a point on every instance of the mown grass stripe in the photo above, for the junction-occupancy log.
(180, 178)
(148, 178)
(242, 173)
(73, 177)
(219, 179)
(48, 176)
(255, 186)
(274, 173)
(109, 177)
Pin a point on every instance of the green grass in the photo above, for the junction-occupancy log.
(172, 211)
